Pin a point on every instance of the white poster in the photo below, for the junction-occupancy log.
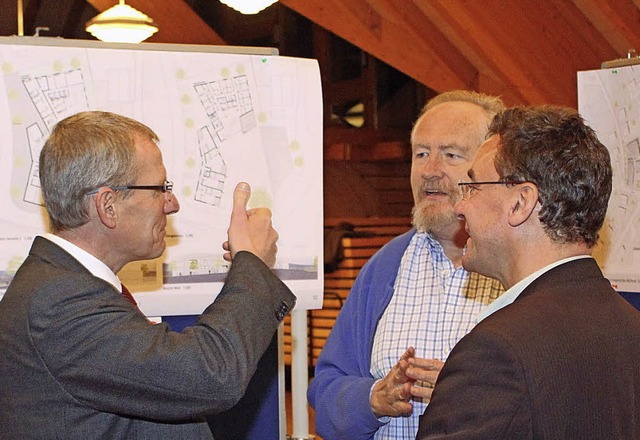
(221, 118)
(609, 100)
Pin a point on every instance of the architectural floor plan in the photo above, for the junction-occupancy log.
(609, 100)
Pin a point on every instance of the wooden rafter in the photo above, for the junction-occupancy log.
(525, 51)
(388, 38)
(617, 20)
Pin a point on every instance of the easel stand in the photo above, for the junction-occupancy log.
(299, 376)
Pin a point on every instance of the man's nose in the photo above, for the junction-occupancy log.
(433, 166)
(172, 204)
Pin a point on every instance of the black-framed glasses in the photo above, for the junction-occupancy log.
(468, 188)
(166, 187)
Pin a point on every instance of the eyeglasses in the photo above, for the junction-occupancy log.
(166, 187)
(468, 188)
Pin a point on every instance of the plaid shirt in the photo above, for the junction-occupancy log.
(434, 305)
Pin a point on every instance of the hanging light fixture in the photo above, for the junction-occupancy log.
(248, 6)
(121, 24)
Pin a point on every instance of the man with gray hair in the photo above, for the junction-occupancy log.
(413, 299)
(79, 360)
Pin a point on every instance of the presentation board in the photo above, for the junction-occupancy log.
(223, 115)
(609, 100)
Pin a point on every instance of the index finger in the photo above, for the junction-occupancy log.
(410, 353)
(427, 364)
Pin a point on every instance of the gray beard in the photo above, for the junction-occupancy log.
(429, 218)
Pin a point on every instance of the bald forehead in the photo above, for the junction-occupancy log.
(461, 106)
(456, 122)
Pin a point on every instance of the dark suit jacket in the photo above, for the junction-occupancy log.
(561, 362)
(77, 361)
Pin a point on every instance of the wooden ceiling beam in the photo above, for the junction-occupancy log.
(476, 26)
(177, 22)
(391, 40)
(531, 47)
(490, 79)
(580, 40)
(408, 18)
(617, 20)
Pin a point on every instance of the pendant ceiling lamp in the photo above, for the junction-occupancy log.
(121, 24)
(248, 6)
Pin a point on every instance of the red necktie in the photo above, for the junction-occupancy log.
(127, 295)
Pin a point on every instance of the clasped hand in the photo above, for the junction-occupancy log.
(410, 377)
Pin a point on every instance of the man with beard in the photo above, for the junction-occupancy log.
(412, 300)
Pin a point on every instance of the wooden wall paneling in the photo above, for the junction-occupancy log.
(390, 181)
(338, 283)
(363, 136)
(322, 53)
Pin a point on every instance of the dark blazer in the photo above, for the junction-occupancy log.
(561, 362)
(77, 361)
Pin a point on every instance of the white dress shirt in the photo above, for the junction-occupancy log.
(514, 292)
(93, 265)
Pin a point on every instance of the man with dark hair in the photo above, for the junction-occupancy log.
(557, 356)
(78, 359)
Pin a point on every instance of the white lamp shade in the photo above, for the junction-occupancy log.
(248, 6)
(122, 24)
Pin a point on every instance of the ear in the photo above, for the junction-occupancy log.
(523, 204)
(105, 207)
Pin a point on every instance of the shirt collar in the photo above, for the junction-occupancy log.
(434, 246)
(514, 292)
(93, 265)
